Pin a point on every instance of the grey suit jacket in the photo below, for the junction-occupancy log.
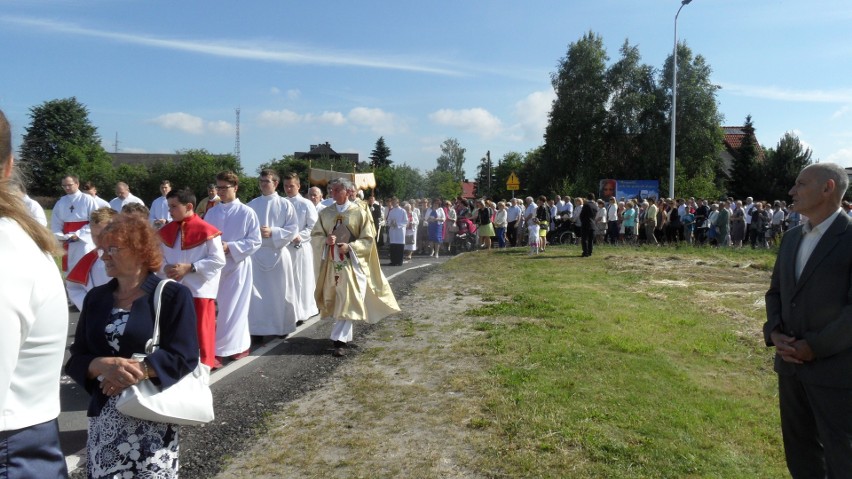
(817, 307)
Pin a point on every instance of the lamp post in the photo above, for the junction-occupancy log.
(674, 104)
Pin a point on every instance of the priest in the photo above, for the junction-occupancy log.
(350, 283)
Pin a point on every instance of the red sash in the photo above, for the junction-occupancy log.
(193, 230)
(80, 272)
(69, 227)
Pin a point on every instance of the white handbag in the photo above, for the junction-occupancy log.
(187, 402)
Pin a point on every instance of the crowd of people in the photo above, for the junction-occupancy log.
(432, 227)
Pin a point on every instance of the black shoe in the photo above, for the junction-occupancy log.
(300, 322)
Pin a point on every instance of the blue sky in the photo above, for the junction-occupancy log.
(165, 76)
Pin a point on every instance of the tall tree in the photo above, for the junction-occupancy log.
(486, 180)
(783, 164)
(60, 141)
(452, 158)
(635, 120)
(699, 131)
(574, 138)
(745, 171)
(380, 155)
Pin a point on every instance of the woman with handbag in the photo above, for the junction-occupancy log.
(116, 322)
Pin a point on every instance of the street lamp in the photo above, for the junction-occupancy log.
(674, 103)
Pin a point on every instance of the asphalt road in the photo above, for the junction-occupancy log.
(245, 391)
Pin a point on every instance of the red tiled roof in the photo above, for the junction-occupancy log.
(734, 136)
(467, 189)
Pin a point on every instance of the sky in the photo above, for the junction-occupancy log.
(162, 76)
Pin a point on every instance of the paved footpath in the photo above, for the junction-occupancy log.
(245, 391)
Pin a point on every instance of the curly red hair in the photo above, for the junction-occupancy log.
(137, 235)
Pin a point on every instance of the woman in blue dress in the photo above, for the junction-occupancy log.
(435, 218)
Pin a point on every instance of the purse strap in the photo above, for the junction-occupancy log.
(154, 343)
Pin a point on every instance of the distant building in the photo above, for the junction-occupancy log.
(734, 136)
(146, 159)
(324, 151)
(468, 189)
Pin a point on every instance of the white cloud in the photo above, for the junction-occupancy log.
(532, 113)
(475, 120)
(231, 48)
(192, 124)
(275, 91)
(376, 119)
(329, 118)
(180, 121)
(843, 111)
(294, 94)
(220, 127)
(786, 94)
(842, 157)
(279, 118)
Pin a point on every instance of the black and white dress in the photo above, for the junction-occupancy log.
(124, 447)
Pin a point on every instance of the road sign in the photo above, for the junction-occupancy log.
(513, 183)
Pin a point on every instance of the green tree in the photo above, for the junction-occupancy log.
(745, 170)
(636, 122)
(574, 138)
(61, 140)
(441, 184)
(380, 155)
(783, 164)
(486, 180)
(699, 132)
(452, 158)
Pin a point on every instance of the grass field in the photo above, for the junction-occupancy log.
(634, 363)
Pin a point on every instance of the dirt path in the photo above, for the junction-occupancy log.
(403, 407)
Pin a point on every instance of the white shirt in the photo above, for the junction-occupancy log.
(117, 203)
(396, 223)
(810, 237)
(34, 322)
(160, 210)
(35, 209)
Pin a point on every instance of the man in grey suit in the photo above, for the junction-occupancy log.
(809, 322)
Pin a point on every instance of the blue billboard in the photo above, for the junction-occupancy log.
(629, 189)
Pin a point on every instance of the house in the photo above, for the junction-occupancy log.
(468, 190)
(734, 136)
(324, 151)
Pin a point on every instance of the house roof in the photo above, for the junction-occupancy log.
(734, 136)
(324, 150)
(468, 188)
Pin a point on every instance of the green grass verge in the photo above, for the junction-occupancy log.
(639, 363)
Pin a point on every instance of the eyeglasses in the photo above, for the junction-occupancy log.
(68, 185)
(111, 250)
(224, 187)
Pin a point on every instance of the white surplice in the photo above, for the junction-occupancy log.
(159, 210)
(241, 232)
(208, 259)
(72, 208)
(274, 302)
(397, 222)
(303, 257)
(118, 203)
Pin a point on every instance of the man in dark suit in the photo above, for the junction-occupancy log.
(809, 322)
(587, 224)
